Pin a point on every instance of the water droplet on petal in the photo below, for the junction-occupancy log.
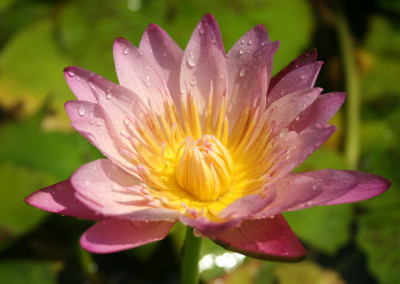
(283, 91)
(87, 183)
(242, 41)
(250, 42)
(242, 72)
(201, 30)
(71, 73)
(303, 77)
(108, 96)
(81, 110)
(191, 61)
(192, 83)
(126, 51)
(241, 51)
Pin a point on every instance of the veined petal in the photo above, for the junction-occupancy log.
(89, 120)
(77, 78)
(249, 68)
(287, 108)
(300, 78)
(304, 59)
(161, 51)
(136, 72)
(203, 69)
(268, 238)
(210, 228)
(60, 198)
(303, 145)
(340, 186)
(107, 189)
(320, 112)
(114, 235)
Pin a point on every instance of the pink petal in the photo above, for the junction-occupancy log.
(90, 120)
(247, 205)
(303, 145)
(76, 78)
(269, 238)
(60, 198)
(345, 186)
(203, 66)
(304, 59)
(136, 72)
(287, 108)
(300, 78)
(249, 69)
(160, 50)
(105, 188)
(320, 112)
(209, 228)
(114, 235)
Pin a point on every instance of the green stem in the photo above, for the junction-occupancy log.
(352, 142)
(190, 260)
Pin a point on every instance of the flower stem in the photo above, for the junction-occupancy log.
(190, 260)
(352, 142)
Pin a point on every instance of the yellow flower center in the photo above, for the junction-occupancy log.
(204, 168)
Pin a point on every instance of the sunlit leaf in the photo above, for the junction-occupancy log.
(306, 272)
(16, 183)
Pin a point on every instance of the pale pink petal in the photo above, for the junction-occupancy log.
(90, 120)
(249, 68)
(160, 50)
(287, 108)
(300, 78)
(320, 112)
(269, 238)
(105, 188)
(303, 145)
(304, 59)
(136, 72)
(60, 198)
(77, 78)
(248, 205)
(114, 235)
(209, 228)
(204, 66)
(341, 186)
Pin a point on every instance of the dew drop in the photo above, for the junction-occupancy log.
(71, 73)
(126, 51)
(91, 122)
(283, 91)
(87, 182)
(242, 72)
(303, 77)
(108, 96)
(81, 110)
(98, 123)
(191, 61)
(241, 51)
(192, 83)
(242, 41)
(201, 30)
(250, 42)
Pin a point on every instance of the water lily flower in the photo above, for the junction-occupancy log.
(203, 137)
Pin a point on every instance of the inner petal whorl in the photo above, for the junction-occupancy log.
(204, 168)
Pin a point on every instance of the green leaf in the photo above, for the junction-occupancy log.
(379, 237)
(16, 183)
(28, 272)
(326, 228)
(31, 66)
(305, 272)
(59, 154)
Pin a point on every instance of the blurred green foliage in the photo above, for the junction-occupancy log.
(357, 243)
